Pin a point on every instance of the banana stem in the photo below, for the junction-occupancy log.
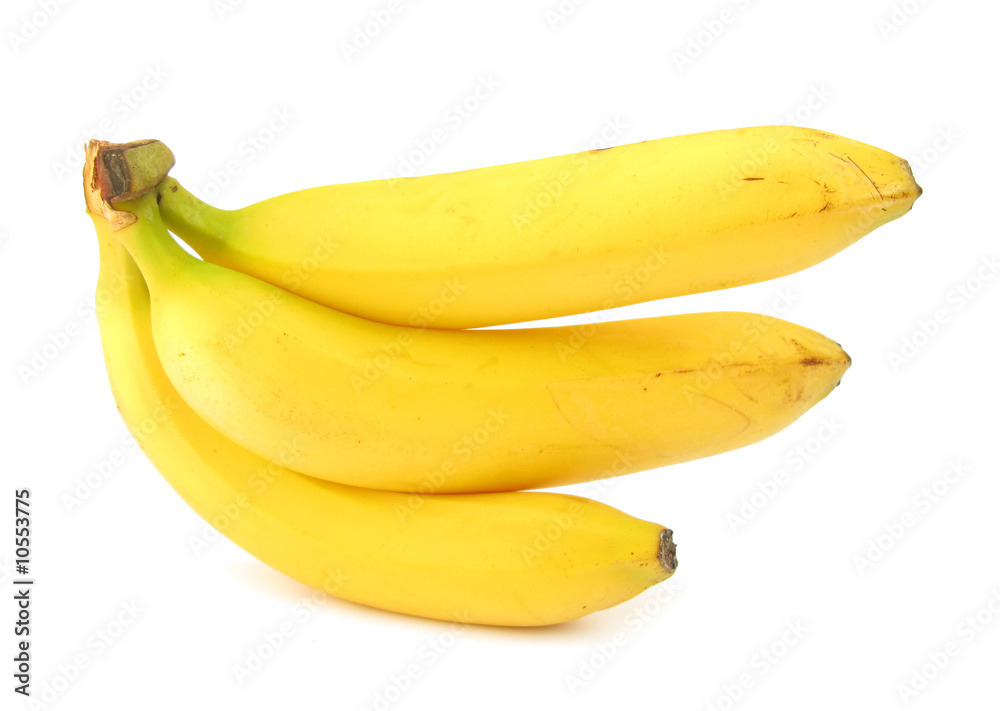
(119, 182)
(119, 172)
(201, 223)
(160, 259)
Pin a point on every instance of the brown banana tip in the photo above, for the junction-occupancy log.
(909, 171)
(668, 551)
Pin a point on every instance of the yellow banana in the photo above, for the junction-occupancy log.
(425, 410)
(501, 559)
(562, 235)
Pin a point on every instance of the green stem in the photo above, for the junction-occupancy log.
(201, 225)
(159, 257)
(119, 183)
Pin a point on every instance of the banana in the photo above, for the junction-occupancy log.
(563, 235)
(434, 411)
(519, 559)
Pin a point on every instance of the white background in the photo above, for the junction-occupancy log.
(918, 79)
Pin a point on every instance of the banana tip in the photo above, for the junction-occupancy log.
(918, 191)
(668, 551)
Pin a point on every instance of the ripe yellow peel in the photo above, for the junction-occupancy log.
(563, 235)
(519, 559)
(424, 410)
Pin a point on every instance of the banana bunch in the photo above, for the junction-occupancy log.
(316, 368)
